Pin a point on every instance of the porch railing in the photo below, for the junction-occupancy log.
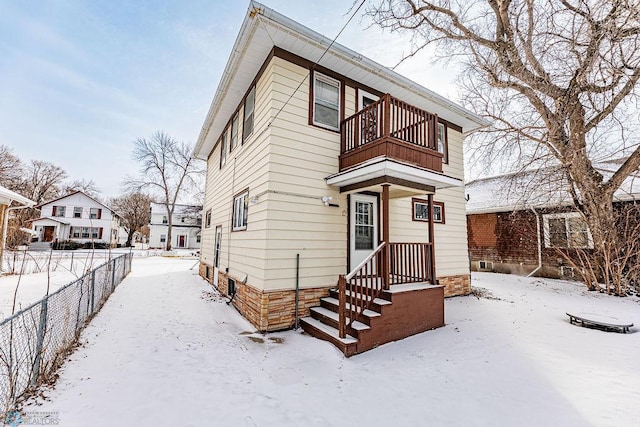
(391, 119)
(407, 263)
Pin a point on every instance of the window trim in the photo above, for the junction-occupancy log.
(223, 148)
(235, 122)
(445, 153)
(245, 134)
(245, 213)
(426, 202)
(312, 100)
(566, 216)
(58, 211)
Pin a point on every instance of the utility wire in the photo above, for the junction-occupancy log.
(316, 63)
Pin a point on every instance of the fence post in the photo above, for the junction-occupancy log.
(40, 340)
(113, 274)
(93, 288)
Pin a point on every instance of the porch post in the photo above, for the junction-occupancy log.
(432, 239)
(385, 235)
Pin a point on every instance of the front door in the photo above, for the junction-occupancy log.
(216, 255)
(48, 233)
(182, 241)
(363, 232)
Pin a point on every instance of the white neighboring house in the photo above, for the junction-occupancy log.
(185, 233)
(79, 218)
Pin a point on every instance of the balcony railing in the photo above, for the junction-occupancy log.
(391, 128)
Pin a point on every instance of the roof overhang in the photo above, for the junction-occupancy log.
(384, 170)
(7, 196)
(48, 220)
(263, 29)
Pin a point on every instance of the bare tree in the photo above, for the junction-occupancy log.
(87, 187)
(167, 169)
(556, 78)
(133, 208)
(10, 168)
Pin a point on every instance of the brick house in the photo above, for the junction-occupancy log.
(336, 184)
(522, 224)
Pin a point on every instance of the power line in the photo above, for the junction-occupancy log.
(315, 63)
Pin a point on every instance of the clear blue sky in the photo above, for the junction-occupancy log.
(80, 80)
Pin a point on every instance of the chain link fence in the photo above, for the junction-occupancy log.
(34, 341)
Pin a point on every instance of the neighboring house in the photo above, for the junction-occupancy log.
(526, 223)
(336, 163)
(7, 197)
(185, 232)
(76, 217)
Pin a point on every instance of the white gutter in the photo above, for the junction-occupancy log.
(539, 244)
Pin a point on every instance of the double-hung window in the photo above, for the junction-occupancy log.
(566, 230)
(240, 205)
(223, 149)
(249, 108)
(95, 213)
(207, 220)
(77, 212)
(58, 211)
(442, 142)
(326, 101)
(234, 133)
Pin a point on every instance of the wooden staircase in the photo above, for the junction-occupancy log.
(365, 311)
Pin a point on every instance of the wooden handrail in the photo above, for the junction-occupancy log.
(364, 283)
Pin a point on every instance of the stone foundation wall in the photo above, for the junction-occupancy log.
(271, 310)
(456, 285)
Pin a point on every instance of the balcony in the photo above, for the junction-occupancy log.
(393, 129)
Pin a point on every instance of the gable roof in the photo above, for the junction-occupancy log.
(72, 194)
(8, 196)
(541, 188)
(263, 29)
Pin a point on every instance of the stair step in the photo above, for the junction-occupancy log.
(379, 301)
(332, 332)
(358, 326)
(335, 302)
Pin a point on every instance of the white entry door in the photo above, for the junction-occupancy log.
(363, 233)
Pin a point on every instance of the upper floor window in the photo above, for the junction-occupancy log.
(326, 101)
(566, 230)
(95, 213)
(240, 205)
(163, 238)
(207, 220)
(165, 220)
(442, 142)
(223, 148)
(77, 212)
(249, 107)
(58, 211)
(234, 133)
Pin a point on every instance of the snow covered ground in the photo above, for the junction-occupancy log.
(165, 350)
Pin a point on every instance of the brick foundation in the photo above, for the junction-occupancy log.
(456, 285)
(270, 310)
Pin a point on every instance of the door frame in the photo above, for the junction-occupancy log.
(350, 223)
(217, 249)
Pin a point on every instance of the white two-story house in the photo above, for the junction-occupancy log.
(335, 189)
(79, 218)
(185, 229)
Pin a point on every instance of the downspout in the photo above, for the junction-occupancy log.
(539, 244)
